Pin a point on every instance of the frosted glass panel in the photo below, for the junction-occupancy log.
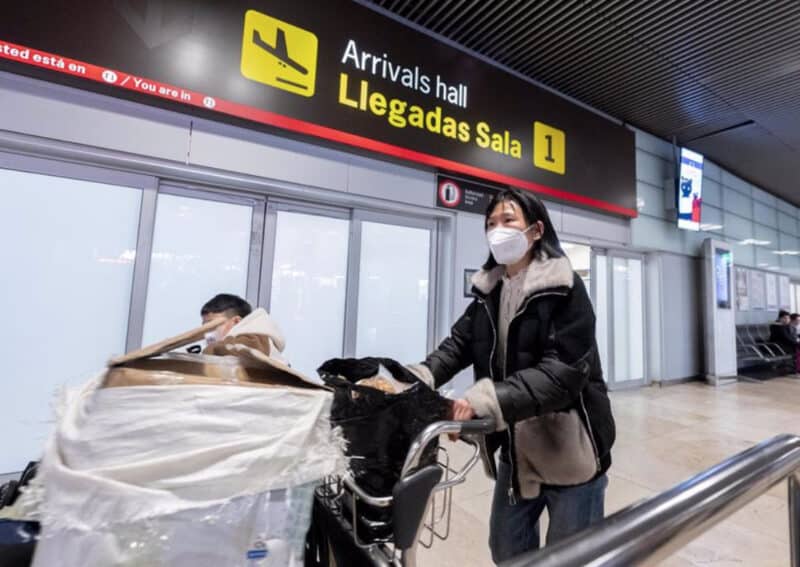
(601, 310)
(393, 292)
(628, 320)
(636, 319)
(309, 281)
(200, 248)
(580, 256)
(66, 249)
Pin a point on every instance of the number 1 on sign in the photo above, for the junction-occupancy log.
(549, 156)
(549, 148)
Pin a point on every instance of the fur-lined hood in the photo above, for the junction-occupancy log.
(259, 331)
(260, 323)
(541, 275)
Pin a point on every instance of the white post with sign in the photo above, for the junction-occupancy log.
(719, 313)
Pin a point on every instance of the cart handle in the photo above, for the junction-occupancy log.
(434, 430)
(428, 435)
(377, 501)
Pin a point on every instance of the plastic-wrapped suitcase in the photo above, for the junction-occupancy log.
(186, 459)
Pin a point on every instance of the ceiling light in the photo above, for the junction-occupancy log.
(755, 242)
(786, 252)
(710, 227)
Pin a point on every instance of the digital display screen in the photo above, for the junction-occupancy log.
(690, 190)
(722, 277)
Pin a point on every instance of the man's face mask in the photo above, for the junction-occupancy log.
(216, 335)
(222, 331)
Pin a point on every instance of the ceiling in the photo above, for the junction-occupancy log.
(721, 76)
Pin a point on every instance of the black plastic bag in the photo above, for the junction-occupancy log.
(379, 427)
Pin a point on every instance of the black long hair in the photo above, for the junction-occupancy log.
(534, 211)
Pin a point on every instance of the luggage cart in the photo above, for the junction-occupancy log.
(420, 506)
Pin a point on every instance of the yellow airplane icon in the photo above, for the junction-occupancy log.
(279, 54)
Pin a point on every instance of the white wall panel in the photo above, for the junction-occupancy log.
(392, 182)
(595, 225)
(765, 214)
(712, 192)
(652, 169)
(266, 156)
(70, 115)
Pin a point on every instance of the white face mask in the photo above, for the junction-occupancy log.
(212, 337)
(217, 335)
(508, 245)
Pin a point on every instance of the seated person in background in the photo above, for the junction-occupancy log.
(783, 333)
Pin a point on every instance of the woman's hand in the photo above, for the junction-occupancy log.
(462, 411)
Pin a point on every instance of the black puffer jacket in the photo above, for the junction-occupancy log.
(552, 361)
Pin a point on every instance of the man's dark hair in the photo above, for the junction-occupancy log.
(794, 316)
(230, 305)
(533, 210)
(782, 313)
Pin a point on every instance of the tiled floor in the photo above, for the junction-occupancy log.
(666, 435)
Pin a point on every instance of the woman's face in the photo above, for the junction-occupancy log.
(509, 215)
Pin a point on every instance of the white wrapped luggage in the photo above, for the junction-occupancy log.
(186, 460)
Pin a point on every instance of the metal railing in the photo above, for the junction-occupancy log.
(655, 528)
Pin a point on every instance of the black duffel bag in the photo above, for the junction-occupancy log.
(378, 426)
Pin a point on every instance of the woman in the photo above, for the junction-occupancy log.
(530, 337)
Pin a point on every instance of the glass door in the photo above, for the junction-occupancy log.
(618, 296)
(304, 284)
(67, 247)
(204, 243)
(350, 283)
(395, 265)
(601, 299)
(580, 256)
(628, 317)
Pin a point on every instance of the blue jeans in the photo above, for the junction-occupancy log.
(514, 528)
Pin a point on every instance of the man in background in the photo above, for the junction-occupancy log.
(232, 307)
(253, 328)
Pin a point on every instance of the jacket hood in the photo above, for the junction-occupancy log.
(260, 323)
(541, 274)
